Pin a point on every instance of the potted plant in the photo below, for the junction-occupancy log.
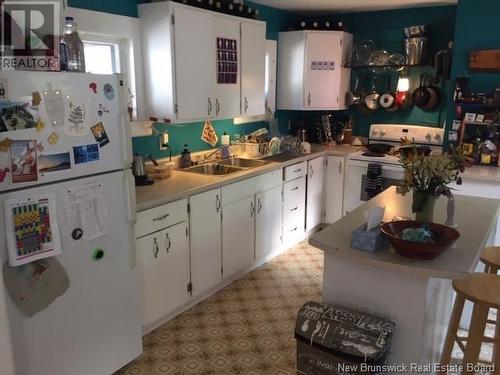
(428, 176)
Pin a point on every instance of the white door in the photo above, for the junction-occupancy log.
(322, 70)
(205, 237)
(237, 236)
(177, 270)
(314, 201)
(226, 75)
(99, 315)
(335, 188)
(268, 222)
(151, 262)
(253, 68)
(194, 50)
(164, 268)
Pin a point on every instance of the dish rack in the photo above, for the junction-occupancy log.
(162, 170)
(251, 150)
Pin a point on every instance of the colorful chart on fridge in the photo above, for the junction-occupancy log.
(31, 229)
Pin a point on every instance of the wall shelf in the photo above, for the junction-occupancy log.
(351, 66)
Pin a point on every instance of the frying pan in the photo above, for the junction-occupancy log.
(371, 99)
(388, 100)
(361, 104)
(378, 148)
(421, 96)
(434, 96)
(354, 97)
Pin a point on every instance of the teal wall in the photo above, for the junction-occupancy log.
(121, 7)
(386, 29)
(477, 27)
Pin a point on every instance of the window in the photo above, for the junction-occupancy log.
(101, 58)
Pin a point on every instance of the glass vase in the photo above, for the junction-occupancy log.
(423, 206)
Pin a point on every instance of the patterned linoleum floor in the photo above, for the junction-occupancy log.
(247, 328)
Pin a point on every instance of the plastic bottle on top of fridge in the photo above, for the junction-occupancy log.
(71, 48)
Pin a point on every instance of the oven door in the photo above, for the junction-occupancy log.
(354, 192)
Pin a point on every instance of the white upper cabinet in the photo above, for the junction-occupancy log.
(201, 65)
(194, 81)
(226, 40)
(311, 75)
(253, 68)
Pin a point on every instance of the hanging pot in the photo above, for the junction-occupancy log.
(388, 100)
(354, 97)
(371, 99)
(434, 96)
(421, 96)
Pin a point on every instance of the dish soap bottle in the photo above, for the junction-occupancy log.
(185, 157)
(225, 154)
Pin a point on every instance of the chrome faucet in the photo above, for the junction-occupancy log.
(207, 157)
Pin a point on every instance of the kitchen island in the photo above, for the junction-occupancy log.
(415, 294)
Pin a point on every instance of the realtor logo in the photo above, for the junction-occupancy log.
(30, 35)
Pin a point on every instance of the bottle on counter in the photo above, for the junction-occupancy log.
(488, 153)
(71, 48)
(185, 158)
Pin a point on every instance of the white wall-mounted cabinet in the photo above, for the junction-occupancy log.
(314, 200)
(334, 197)
(205, 240)
(183, 60)
(311, 75)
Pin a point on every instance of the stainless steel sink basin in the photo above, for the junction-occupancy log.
(244, 163)
(215, 169)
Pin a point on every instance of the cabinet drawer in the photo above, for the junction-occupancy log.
(160, 217)
(245, 188)
(294, 211)
(293, 232)
(296, 170)
(295, 191)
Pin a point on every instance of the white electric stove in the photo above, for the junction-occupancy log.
(393, 135)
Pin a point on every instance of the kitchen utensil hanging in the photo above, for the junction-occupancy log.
(369, 102)
(387, 100)
(421, 96)
(354, 97)
(434, 96)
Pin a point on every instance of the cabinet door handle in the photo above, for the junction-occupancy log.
(311, 171)
(161, 218)
(209, 106)
(297, 170)
(294, 229)
(156, 247)
(252, 209)
(168, 244)
(246, 104)
(218, 203)
(217, 106)
(309, 99)
(259, 205)
(340, 167)
(295, 188)
(294, 209)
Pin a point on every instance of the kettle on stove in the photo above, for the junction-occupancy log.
(139, 171)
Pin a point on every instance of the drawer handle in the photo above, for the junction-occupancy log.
(168, 243)
(218, 203)
(259, 205)
(156, 247)
(294, 229)
(294, 209)
(295, 188)
(297, 170)
(252, 209)
(161, 218)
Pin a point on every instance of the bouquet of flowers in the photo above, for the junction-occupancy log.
(429, 175)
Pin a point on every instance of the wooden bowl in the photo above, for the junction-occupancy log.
(446, 236)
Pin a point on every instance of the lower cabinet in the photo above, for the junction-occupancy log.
(334, 198)
(205, 239)
(314, 198)
(268, 221)
(163, 261)
(238, 236)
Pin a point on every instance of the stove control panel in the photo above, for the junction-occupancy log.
(396, 132)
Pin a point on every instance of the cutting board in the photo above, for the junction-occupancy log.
(485, 60)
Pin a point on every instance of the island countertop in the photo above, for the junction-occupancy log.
(475, 217)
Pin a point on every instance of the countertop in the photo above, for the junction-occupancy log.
(183, 184)
(456, 262)
(482, 173)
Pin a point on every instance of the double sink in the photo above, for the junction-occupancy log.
(225, 167)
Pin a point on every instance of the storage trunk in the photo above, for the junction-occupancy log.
(336, 340)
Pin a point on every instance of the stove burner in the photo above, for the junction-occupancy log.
(373, 154)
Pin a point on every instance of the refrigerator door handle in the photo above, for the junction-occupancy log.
(126, 133)
(130, 195)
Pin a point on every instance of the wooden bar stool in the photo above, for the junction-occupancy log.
(491, 258)
(483, 290)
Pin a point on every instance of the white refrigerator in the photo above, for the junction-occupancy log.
(61, 132)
